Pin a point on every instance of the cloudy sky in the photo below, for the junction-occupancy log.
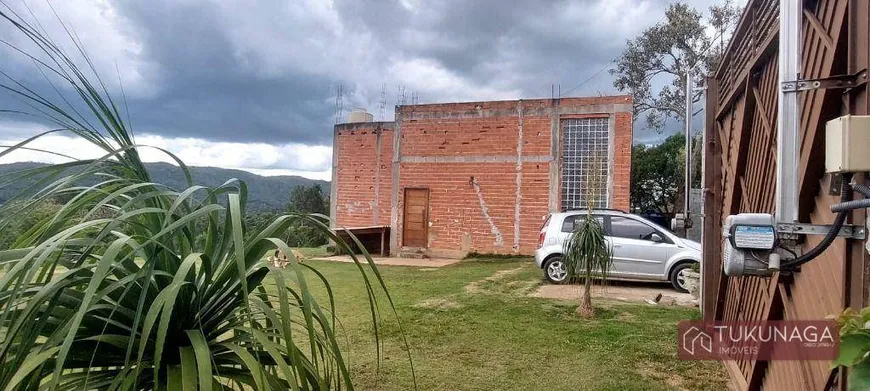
(251, 84)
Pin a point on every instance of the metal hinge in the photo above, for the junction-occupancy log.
(857, 232)
(840, 81)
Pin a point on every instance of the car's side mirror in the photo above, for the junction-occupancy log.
(656, 238)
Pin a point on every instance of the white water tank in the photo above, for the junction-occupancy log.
(359, 115)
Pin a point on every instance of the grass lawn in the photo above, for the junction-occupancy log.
(471, 326)
(313, 252)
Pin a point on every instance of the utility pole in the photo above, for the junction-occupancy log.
(681, 222)
(688, 180)
(790, 18)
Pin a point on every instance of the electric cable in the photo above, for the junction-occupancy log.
(862, 188)
(850, 205)
(788, 250)
(588, 79)
(845, 196)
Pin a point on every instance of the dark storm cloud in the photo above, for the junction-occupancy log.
(263, 71)
(210, 92)
(532, 44)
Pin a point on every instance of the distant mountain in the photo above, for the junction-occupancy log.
(265, 193)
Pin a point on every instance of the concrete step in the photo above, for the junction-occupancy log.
(413, 252)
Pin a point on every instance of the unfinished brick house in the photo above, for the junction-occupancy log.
(448, 179)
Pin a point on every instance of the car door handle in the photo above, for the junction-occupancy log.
(617, 245)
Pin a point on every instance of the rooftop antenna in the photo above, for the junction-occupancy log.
(400, 95)
(383, 106)
(339, 103)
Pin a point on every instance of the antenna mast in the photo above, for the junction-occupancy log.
(339, 103)
(383, 105)
(400, 95)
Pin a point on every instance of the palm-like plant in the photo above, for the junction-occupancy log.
(587, 252)
(114, 291)
(587, 256)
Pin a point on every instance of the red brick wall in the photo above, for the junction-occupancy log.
(444, 145)
(442, 137)
(456, 221)
(358, 172)
(489, 131)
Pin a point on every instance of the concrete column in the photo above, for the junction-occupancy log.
(375, 210)
(611, 148)
(519, 180)
(555, 160)
(333, 186)
(394, 182)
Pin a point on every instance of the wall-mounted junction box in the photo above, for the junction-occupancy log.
(847, 144)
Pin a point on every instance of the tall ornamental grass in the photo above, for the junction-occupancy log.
(115, 292)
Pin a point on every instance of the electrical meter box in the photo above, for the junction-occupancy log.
(751, 238)
(847, 139)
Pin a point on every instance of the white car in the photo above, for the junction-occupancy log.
(642, 250)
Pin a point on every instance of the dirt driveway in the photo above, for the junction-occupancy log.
(620, 290)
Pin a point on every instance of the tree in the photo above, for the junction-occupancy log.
(657, 175)
(129, 299)
(28, 218)
(308, 200)
(653, 66)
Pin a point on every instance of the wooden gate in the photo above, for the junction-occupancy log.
(740, 176)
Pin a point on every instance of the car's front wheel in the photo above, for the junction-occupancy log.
(555, 270)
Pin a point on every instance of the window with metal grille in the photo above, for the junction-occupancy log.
(585, 163)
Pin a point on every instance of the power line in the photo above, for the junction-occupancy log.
(590, 78)
(609, 63)
(552, 86)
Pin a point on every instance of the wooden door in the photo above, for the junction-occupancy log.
(416, 219)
